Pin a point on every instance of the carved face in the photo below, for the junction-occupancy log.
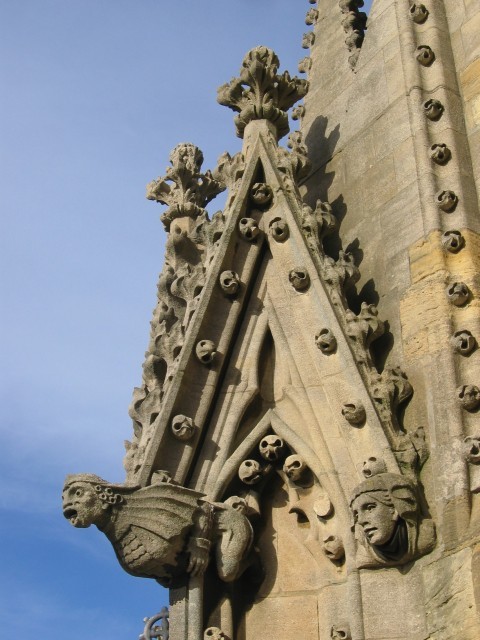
(464, 342)
(214, 633)
(453, 240)
(250, 472)
(229, 282)
(418, 13)
(271, 448)
(447, 200)
(377, 520)
(205, 351)
(354, 412)
(440, 153)
(299, 278)
(333, 548)
(340, 632)
(261, 194)
(372, 466)
(471, 447)
(82, 505)
(458, 293)
(469, 397)
(279, 229)
(295, 467)
(326, 341)
(183, 427)
(433, 109)
(248, 228)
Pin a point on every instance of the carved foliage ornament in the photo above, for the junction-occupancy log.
(260, 93)
(184, 189)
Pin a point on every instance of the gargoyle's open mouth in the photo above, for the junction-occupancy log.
(71, 514)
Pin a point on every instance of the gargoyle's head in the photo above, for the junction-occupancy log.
(87, 499)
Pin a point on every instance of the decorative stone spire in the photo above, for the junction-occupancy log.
(189, 190)
(260, 93)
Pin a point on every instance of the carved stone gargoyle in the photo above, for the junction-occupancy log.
(388, 522)
(163, 531)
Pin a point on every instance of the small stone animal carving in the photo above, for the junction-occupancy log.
(163, 531)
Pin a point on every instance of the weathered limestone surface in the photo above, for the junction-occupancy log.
(305, 458)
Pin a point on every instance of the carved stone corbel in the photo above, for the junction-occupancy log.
(388, 523)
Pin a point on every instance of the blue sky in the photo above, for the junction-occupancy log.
(95, 95)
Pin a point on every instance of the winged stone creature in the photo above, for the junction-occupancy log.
(163, 531)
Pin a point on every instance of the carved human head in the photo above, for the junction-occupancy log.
(206, 351)
(295, 468)
(229, 282)
(340, 632)
(248, 228)
(271, 448)
(250, 472)
(326, 341)
(333, 548)
(379, 503)
(87, 499)
(279, 229)
(214, 633)
(299, 278)
(372, 466)
(261, 194)
(469, 397)
(183, 427)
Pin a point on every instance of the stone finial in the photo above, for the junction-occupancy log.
(184, 189)
(260, 93)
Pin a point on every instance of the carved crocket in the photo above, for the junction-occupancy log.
(163, 531)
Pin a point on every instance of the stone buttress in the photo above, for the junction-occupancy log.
(305, 453)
